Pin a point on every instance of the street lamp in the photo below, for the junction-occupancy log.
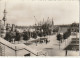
(0, 28)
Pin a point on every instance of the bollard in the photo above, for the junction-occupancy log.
(66, 53)
(15, 51)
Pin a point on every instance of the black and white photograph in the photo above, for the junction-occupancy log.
(39, 28)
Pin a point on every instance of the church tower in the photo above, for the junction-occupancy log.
(52, 23)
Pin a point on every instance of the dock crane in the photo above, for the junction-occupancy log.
(35, 20)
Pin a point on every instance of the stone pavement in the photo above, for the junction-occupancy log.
(53, 47)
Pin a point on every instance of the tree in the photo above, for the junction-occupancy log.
(46, 31)
(40, 34)
(26, 35)
(10, 36)
(66, 35)
(18, 36)
(34, 35)
(59, 38)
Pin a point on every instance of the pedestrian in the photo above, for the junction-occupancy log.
(46, 41)
(36, 43)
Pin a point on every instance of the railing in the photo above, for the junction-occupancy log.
(27, 50)
(32, 52)
(2, 50)
(15, 49)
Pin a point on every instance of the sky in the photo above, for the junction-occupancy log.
(22, 12)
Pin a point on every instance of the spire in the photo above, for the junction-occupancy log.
(43, 20)
(52, 21)
(47, 18)
(4, 18)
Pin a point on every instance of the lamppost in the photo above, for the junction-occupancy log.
(76, 38)
(36, 32)
(0, 28)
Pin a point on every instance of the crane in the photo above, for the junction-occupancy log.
(35, 20)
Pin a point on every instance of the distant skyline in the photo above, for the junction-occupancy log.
(22, 12)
